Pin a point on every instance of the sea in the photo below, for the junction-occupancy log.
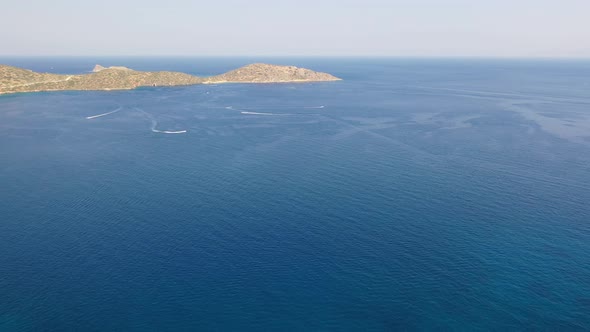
(417, 194)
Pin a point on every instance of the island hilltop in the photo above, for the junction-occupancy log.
(13, 79)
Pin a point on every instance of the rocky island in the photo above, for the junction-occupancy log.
(13, 79)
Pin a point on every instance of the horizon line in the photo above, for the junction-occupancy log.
(515, 57)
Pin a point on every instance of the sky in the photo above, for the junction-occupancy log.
(480, 28)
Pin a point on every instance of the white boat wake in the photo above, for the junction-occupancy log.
(103, 114)
(168, 131)
(259, 113)
(273, 107)
(155, 124)
(250, 110)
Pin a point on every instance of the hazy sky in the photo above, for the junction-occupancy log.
(544, 28)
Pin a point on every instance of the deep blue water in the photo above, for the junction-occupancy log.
(446, 194)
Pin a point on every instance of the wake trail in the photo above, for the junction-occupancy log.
(497, 95)
(259, 113)
(253, 110)
(249, 108)
(103, 114)
(155, 124)
(244, 111)
(169, 131)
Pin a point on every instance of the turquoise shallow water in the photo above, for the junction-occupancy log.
(413, 195)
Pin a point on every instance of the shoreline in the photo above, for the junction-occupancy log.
(121, 78)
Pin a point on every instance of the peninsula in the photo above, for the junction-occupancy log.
(13, 79)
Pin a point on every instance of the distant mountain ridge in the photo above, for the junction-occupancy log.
(13, 79)
(98, 68)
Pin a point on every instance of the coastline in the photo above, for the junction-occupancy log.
(122, 78)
